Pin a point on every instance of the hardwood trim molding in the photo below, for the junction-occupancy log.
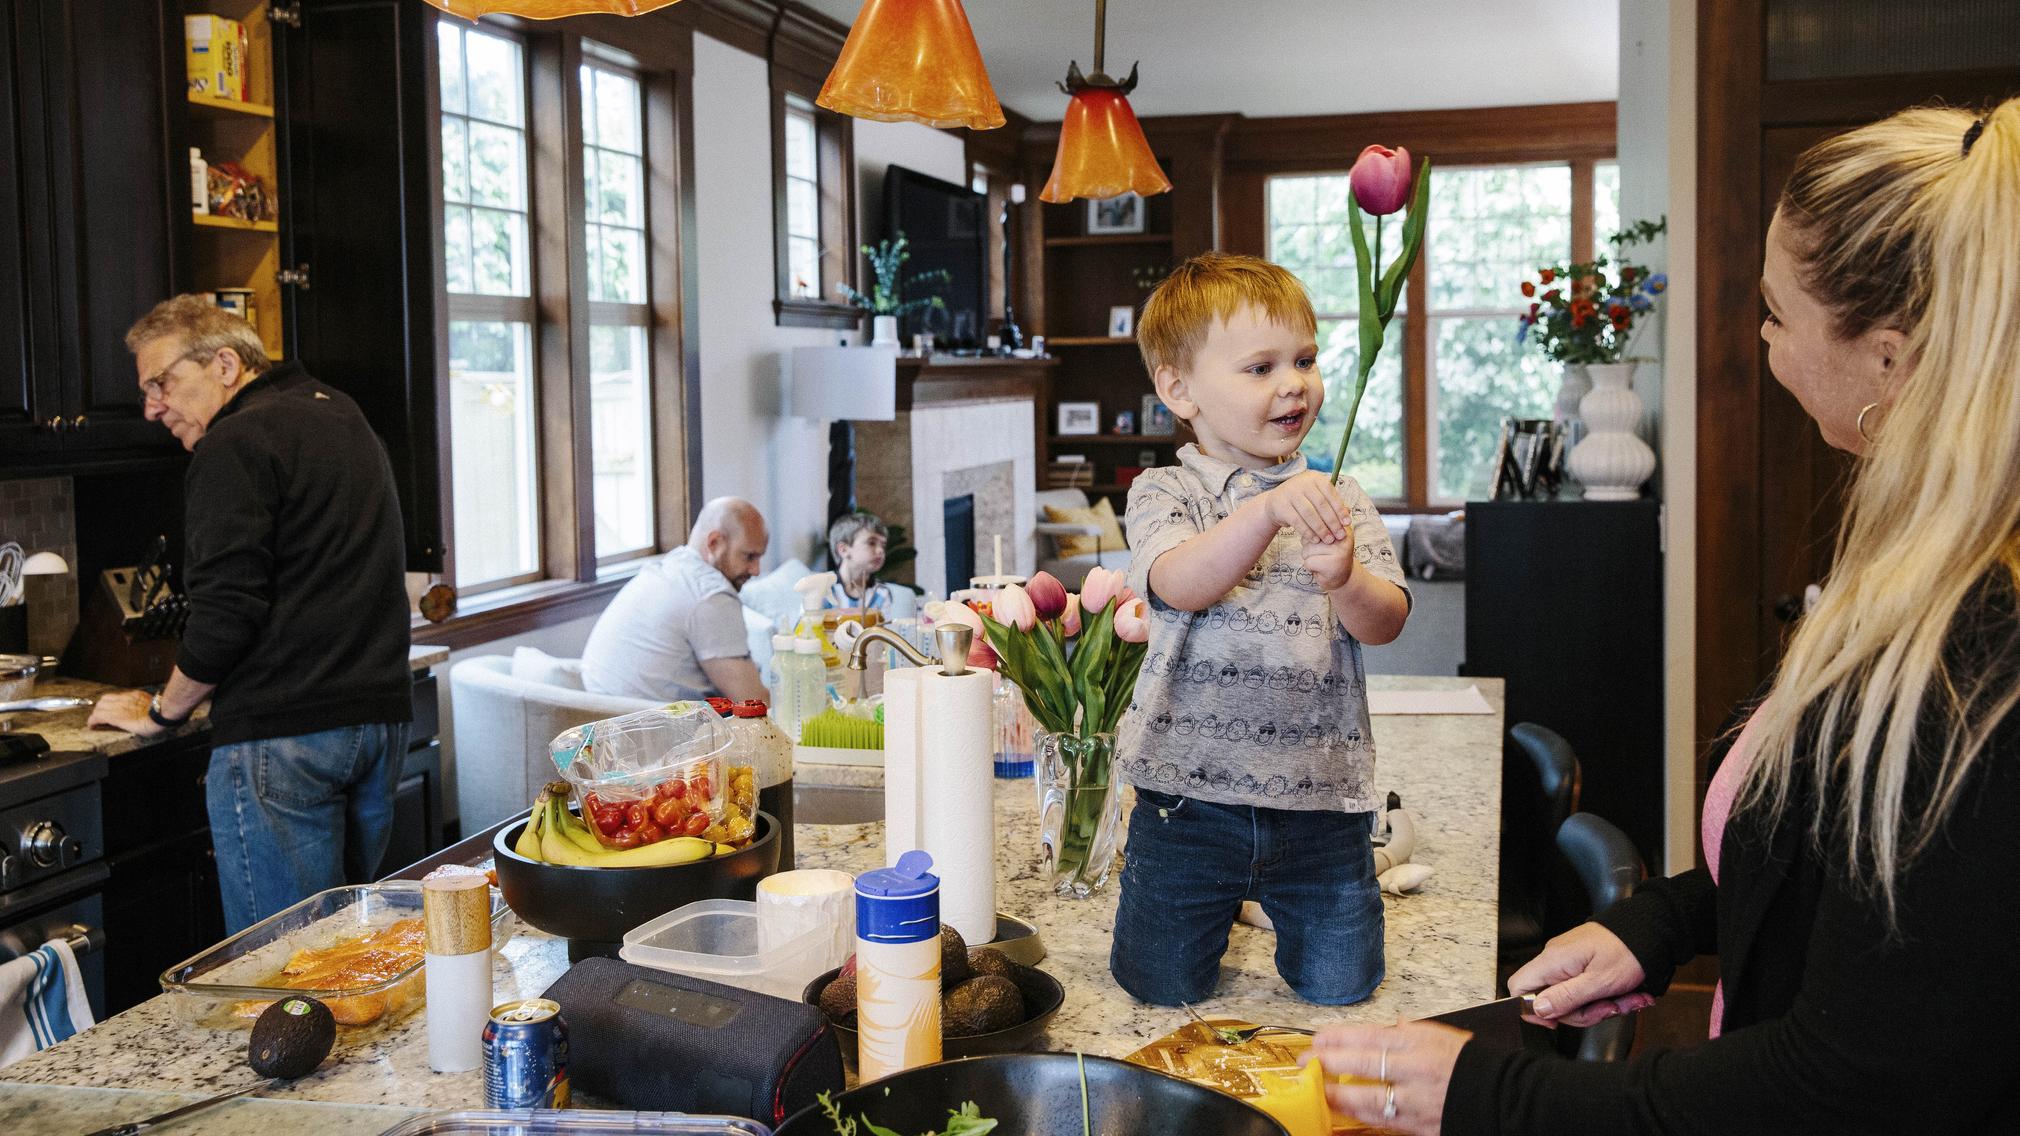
(816, 313)
(516, 611)
(1488, 134)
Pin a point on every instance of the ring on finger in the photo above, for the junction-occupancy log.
(1383, 1076)
(1389, 1103)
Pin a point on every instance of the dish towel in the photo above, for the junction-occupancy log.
(42, 1001)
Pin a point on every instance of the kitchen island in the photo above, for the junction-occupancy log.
(1440, 945)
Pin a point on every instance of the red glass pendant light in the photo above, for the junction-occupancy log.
(913, 61)
(1102, 150)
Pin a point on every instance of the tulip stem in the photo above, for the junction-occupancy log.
(1378, 246)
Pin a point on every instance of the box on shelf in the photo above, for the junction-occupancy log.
(1069, 475)
(1125, 474)
(215, 56)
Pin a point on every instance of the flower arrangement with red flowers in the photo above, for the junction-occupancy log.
(1586, 312)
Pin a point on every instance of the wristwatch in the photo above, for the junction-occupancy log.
(155, 715)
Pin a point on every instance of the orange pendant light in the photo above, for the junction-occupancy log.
(548, 9)
(1102, 150)
(913, 61)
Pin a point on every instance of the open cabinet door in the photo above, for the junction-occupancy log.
(356, 104)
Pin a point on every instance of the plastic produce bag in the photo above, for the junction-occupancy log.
(621, 768)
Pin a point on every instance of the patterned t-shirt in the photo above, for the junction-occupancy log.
(1260, 699)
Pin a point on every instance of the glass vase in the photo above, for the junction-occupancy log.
(1080, 810)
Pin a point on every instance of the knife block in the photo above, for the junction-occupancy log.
(103, 650)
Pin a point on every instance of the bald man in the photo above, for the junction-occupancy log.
(676, 630)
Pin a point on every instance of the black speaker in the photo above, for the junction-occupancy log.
(654, 1040)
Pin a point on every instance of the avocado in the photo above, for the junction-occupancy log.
(953, 958)
(989, 960)
(838, 998)
(290, 1038)
(981, 1005)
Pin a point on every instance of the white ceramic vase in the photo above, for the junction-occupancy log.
(1577, 384)
(883, 331)
(1612, 461)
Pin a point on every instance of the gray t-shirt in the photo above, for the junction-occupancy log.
(1261, 698)
(651, 640)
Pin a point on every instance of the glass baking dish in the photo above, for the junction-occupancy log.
(559, 1122)
(227, 985)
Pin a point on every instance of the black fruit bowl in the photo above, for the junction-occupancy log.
(593, 907)
(1042, 998)
(1038, 1094)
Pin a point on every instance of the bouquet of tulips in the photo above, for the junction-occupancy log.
(1075, 658)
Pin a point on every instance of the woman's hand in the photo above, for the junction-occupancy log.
(1583, 976)
(1412, 1063)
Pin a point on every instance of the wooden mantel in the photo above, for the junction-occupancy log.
(927, 380)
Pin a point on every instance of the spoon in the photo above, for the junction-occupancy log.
(1233, 1035)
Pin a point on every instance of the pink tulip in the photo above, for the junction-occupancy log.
(980, 653)
(1069, 620)
(1013, 608)
(1101, 586)
(1132, 622)
(1381, 179)
(1125, 595)
(1047, 594)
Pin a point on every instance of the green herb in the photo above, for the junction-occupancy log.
(1085, 1120)
(965, 1121)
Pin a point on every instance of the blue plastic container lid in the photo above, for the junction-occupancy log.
(912, 876)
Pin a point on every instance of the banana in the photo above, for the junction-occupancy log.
(677, 850)
(556, 848)
(577, 833)
(529, 837)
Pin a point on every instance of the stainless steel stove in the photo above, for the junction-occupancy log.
(52, 860)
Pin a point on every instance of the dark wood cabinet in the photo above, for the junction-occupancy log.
(90, 213)
(1564, 601)
(356, 114)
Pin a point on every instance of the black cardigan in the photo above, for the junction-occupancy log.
(298, 598)
(1831, 1024)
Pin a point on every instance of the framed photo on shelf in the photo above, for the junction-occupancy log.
(1080, 418)
(1156, 417)
(1123, 214)
(1121, 321)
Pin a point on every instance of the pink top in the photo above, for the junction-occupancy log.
(1718, 798)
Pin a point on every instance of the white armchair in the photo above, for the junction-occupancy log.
(503, 725)
(1072, 571)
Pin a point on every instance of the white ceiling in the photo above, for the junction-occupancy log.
(1294, 57)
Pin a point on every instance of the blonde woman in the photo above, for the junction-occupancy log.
(1863, 837)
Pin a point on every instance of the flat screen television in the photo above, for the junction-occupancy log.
(945, 228)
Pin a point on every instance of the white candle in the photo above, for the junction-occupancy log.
(999, 554)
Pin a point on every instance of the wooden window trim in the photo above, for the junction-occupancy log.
(834, 139)
(658, 51)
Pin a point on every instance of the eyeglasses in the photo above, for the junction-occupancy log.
(155, 389)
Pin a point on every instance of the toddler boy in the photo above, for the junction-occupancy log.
(1248, 738)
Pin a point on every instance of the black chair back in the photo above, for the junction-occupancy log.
(1610, 868)
(1539, 788)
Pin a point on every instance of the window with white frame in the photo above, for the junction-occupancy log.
(486, 225)
(803, 199)
(620, 315)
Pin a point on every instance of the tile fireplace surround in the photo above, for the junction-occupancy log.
(951, 439)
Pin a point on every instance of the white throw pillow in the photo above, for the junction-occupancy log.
(531, 664)
(771, 595)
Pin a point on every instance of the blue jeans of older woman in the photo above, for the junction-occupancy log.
(1189, 865)
(292, 816)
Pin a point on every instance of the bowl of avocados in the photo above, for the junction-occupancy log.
(593, 907)
(988, 1004)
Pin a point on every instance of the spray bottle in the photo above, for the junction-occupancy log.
(813, 623)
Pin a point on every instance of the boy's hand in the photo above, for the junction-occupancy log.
(1331, 565)
(1309, 504)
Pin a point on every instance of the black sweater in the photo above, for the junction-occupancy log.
(1832, 1025)
(298, 605)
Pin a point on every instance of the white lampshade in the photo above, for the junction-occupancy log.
(44, 564)
(858, 384)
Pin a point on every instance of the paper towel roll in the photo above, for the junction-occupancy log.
(939, 776)
(459, 1003)
(791, 903)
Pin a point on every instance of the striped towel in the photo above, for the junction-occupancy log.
(42, 1001)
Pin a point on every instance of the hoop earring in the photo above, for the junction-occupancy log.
(1861, 424)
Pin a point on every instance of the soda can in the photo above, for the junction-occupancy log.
(526, 1055)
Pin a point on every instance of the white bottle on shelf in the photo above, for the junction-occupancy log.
(199, 182)
(785, 700)
(811, 674)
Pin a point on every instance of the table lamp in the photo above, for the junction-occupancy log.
(844, 385)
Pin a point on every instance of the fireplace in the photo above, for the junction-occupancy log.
(958, 527)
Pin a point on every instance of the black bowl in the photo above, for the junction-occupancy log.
(593, 907)
(1042, 998)
(1038, 1094)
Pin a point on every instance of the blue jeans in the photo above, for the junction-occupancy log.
(293, 816)
(1189, 865)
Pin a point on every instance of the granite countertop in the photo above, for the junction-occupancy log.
(1440, 944)
(66, 732)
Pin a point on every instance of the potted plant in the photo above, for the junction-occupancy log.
(885, 301)
(1584, 315)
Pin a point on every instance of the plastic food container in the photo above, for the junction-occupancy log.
(207, 989)
(717, 939)
(557, 1122)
